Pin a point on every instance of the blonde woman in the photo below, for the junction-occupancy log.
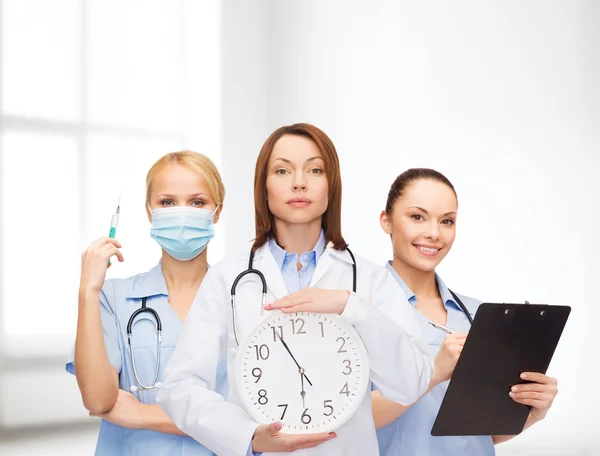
(118, 360)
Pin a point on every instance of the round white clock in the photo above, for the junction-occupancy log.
(309, 371)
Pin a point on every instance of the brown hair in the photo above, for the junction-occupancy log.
(409, 176)
(332, 218)
(195, 161)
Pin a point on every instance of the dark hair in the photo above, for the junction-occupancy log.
(332, 218)
(409, 176)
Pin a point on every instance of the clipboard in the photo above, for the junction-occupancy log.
(504, 341)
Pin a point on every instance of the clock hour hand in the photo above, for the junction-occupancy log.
(288, 350)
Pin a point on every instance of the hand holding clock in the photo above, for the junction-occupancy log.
(267, 438)
(318, 300)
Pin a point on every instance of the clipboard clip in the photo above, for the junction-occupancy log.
(541, 312)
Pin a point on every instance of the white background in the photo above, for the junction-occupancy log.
(501, 96)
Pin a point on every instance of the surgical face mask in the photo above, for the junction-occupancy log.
(183, 232)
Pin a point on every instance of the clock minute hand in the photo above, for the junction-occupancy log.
(302, 393)
(288, 350)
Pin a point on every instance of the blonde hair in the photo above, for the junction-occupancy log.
(199, 163)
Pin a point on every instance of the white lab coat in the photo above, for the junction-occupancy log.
(400, 360)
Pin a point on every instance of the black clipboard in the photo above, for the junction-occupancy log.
(504, 341)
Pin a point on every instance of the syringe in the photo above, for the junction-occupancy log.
(114, 221)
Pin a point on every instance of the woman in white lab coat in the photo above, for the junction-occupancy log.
(301, 252)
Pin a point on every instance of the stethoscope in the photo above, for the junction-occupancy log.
(462, 306)
(251, 270)
(143, 309)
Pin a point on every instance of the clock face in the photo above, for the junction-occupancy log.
(309, 371)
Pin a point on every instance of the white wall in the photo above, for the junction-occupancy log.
(590, 33)
(245, 107)
(124, 82)
(502, 97)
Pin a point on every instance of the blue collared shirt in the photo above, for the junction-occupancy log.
(411, 433)
(119, 298)
(297, 280)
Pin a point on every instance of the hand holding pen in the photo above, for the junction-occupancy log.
(447, 357)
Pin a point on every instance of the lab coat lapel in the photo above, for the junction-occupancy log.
(272, 273)
(325, 262)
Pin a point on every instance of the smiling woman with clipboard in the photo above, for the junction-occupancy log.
(420, 217)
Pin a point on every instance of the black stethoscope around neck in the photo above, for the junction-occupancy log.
(251, 270)
(154, 313)
(462, 306)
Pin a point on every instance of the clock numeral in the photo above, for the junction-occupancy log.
(257, 374)
(322, 329)
(327, 407)
(305, 418)
(345, 390)
(348, 369)
(262, 352)
(299, 321)
(285, 406)
(262, 397)
(275, 335)
(341, 349)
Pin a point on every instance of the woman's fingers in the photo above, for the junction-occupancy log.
(533, 403)
(288, 301)
(103, 241)
(298, 442)
(537, 387)
(109, 250)
(539, 378)
(542, 397)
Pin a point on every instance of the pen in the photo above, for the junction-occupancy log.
(442, 328)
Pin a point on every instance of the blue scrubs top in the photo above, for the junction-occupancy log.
(119, 298)
(411, 433)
